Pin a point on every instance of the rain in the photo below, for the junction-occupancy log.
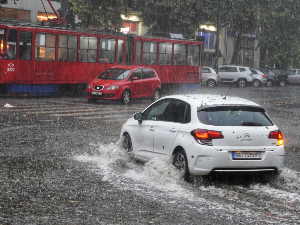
(62, 159)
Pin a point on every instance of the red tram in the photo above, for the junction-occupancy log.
(42, 61)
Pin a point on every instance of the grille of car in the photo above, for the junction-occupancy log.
(98, 87)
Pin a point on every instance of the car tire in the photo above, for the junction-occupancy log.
(270, 83)
(282, 83)
(92, 100)
(181, 163)
(211, 83)
(156, 95)
(127, 145)
(241, 83)
(256, 83)
(126, 97)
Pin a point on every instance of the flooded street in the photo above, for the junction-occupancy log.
(62, 163)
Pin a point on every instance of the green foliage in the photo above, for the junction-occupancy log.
(279, 32)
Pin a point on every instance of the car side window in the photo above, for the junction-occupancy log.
(242, 69)
(206, 70)
(147, 73)
(137, 73)
(175, 112)
(156, 111)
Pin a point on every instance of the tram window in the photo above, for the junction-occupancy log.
(138, 52)
(107, 50)
(88, 49)
(45, 47)
(165, 54)
(120, 51)
(179, 54)
(11, 50)
(3, 33)
(149, 52)
(25, 45)
(67, 48)
(193, 55)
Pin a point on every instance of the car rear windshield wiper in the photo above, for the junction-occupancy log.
(251, 124)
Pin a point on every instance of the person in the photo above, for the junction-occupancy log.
(9, 54)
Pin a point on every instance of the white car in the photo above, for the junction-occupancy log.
(209, 77)
(259, 78)
(241, 75)
(206, 133)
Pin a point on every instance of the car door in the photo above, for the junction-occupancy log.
(227, 73)
(167, 130)
(294, 76)
(136, 86)
(144, 132)
(149, 83)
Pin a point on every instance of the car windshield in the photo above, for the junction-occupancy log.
(114, 74)
(234, 116)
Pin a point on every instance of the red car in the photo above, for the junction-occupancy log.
(125, 83)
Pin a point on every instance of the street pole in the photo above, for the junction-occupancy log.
(217, 39)
(64, 9)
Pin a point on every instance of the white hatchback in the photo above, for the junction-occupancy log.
(206, 133)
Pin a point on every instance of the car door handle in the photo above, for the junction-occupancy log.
(152, 128)
(173, 129)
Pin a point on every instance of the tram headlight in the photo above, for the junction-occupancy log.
(112, 87)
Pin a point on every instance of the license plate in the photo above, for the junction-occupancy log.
(246, 155)
(96, 93)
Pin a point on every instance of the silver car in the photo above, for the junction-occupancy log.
(209, 77)
(241, 75)
(294, 76)
(259, 78)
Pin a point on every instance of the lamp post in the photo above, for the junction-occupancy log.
(217, 51)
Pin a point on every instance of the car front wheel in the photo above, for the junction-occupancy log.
(270, 83)
(180, 162)
(126, 97)
(282, 83)
(156, 95)
(211, 83)
(256, 83)
(127, 145)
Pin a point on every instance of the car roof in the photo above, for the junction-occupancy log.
(206, 100)
(130, 67)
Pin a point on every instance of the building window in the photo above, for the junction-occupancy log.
(45, 16)
(208, 39)
(130, 28)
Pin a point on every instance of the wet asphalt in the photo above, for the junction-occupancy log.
(41, 184)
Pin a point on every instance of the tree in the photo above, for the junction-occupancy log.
(279, 32)
(105, 13)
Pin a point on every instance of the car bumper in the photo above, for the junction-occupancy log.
(203, 160)
(105, 94)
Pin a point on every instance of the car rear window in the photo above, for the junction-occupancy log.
(206, 70)
(234, 116)
(254, 71)
(292, 72)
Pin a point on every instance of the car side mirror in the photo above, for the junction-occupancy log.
(138, 116)
(134, 78)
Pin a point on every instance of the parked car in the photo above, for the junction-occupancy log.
(294, 76)
(125, 83)
(259, 78)
(206, 133)
(241, 75)
(209, 77)
(275, 76)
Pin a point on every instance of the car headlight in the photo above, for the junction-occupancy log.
(88, 86)
(112, 87)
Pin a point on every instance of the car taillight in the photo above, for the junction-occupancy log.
(277, 135)
(263, 75)
(204, 137)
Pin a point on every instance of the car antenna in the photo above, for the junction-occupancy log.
(228, 91)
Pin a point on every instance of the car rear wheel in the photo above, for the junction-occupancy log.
(156, 95)
(282, 83)
(241, 83)
(256, 83)
(126, 97)
(211, 83)
(270, 83)
(180, 162)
